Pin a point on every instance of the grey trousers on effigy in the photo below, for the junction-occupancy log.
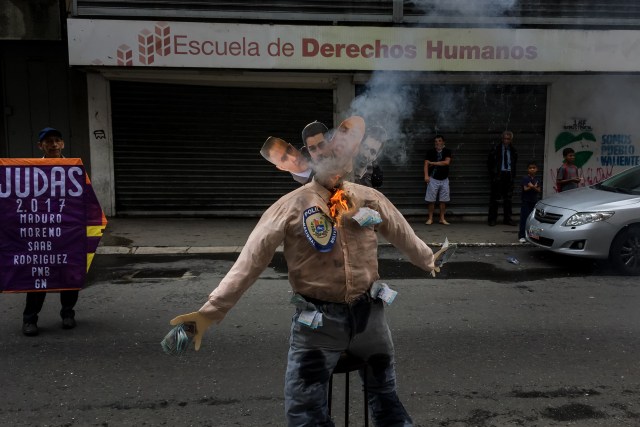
(359, 328)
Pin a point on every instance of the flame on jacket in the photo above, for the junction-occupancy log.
(338, 205)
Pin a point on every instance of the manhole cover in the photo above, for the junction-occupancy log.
(154, 273)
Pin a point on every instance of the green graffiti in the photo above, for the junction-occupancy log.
(566, 138)
(582, 157)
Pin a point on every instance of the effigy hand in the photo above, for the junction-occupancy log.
(434, 271)
(201, 321)
(438, 255)
(443, 255)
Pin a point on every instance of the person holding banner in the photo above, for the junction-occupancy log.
(51, 143)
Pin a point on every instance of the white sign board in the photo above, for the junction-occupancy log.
(217, 45)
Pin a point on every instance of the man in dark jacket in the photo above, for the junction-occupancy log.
(501, 163)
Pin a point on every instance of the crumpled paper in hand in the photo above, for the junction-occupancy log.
(178, 339)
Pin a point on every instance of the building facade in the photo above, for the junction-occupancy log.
(179, 101)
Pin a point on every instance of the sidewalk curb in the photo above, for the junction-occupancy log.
(196, 250)
(167, 250)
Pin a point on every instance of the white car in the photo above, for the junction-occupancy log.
(600, 221)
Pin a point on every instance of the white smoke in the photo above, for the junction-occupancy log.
(465, 7)
(450, 104)
(388, 100)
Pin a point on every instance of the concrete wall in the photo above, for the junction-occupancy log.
(101, 141)
(599, 117)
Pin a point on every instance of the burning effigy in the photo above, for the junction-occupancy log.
(328, 229)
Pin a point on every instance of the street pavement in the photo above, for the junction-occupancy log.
(546, 341)
(149, 236)
(484, 343)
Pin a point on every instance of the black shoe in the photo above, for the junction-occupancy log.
(509, 222)
(492, 223)
(30, 329)
(68, 323)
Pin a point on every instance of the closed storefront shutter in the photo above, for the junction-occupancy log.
(195, 150)
(471, 119)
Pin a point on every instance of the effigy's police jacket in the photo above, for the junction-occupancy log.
(327, 261)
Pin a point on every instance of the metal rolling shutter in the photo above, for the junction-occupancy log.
(471, 118)
(194, 150)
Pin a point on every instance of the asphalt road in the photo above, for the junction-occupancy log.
(545, 342)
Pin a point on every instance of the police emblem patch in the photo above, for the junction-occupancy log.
(318, 229)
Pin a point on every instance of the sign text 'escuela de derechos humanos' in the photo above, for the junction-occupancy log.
(118, 43)
(51, 224)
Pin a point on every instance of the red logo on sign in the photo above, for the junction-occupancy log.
(150, 44)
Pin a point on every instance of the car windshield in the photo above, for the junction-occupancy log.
(626, 182)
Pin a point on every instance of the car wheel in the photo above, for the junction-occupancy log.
(625, 251)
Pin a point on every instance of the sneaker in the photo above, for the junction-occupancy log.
(522, 240)
(30, 329)
(429, 222)
(444, 222)
(68, 323)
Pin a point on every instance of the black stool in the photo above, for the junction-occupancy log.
(346, 364)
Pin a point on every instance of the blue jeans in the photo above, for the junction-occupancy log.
(526, 208)
(359, 328)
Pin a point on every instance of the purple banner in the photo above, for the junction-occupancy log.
(43, 212)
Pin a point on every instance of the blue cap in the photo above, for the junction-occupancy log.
(48, 132)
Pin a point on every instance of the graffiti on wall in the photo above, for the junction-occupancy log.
(618, 150)
(596, 157)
